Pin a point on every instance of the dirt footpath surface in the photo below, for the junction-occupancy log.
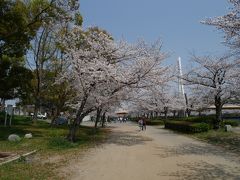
(155, 154)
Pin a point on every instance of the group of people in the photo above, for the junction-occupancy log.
(142, 124)
(122, 119)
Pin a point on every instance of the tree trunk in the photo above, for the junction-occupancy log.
(151, 115)
(218, 119)
(2, 104)
(188, 111)
(97, 118)
(72, 132)
(103, 119)
(79, 117)
(36, 108)
(74, 127)
(174, 113)
(165, 112)
(55, 117)
(199, 113)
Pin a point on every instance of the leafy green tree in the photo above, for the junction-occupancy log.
(19, 23)
(46, 49)
(54, 96)
(14, 37)
(15, 79)
(31, 26)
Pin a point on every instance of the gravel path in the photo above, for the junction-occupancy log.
(155, 154)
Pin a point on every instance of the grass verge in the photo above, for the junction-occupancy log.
(227, 140)
(54, 151)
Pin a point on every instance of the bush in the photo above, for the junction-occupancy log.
(231, 122)
(182, 126)
(157, 118)
(231, 115)
(199, 127)
(135, 119)
(154, 122)
(199, 119)
(187, 127)
(150, 122)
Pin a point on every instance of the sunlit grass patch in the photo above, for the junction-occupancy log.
(228, 140)
(50, 143)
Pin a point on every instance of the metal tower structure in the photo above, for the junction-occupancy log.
(180, 84)
(181, 92)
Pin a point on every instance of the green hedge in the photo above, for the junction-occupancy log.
(150, 122)
(199, 127)
(187, 127)
(198, 119)
(154, 122)
(133, 119)
(231, 122)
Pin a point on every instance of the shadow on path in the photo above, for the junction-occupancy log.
(195, 149)
(203, 170)
(126, 138)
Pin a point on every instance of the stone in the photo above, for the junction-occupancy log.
(228, 128)
(14, 137)
(28, 136)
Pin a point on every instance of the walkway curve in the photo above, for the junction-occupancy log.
(155, 154)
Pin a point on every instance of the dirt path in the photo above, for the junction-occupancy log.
(155, 154)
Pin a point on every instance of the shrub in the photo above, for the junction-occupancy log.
(231, 115)
(182, 126)
(154, 122)
(199, 127)
(231, 122)
(156, 118)
(187, 127)
(199, 119)
(150, 122)
(133, 119)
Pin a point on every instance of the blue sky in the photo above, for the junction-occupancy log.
(176, 22)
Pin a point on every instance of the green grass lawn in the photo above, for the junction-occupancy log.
(50, 144)
(227, 140)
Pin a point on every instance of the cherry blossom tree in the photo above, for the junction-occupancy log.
(159, 97)
(198, 100)
(100, 69)
(215, 78)
(229, 24)
(156, 99)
